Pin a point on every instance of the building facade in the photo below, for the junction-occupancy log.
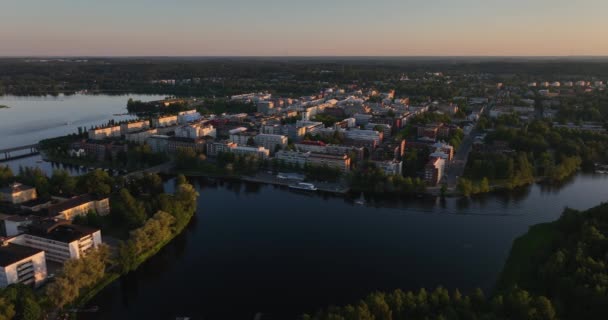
(22, 265)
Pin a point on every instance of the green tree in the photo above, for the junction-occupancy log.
(128, 209)
(62, 183)
(96, 182)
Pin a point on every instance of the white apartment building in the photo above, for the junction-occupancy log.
(185, 117)
(20, 264)
(242, 138)
(78, 206)
(270, 141)
(59, 239)
(165, 121)
(364, 135)
(259, 152)
(195, 131)
(134, 126)
(104, 133)
(293, 157)
(140, 137)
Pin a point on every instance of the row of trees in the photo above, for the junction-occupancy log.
(368, 177)
(440, 304)
(78, 275)
(467, 187)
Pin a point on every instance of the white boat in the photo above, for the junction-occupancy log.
(304, 186)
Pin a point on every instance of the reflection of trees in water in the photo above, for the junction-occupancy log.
(252, 188)
(556, 187)
(515, 196)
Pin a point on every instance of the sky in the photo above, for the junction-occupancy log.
(303, 28)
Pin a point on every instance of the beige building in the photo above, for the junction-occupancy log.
(341, 162)
(78, 206)
(104, 133)
(270, 141)
(165, 121)
(17, 193)
(134, 126)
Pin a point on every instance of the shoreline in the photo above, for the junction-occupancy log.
(112, 277)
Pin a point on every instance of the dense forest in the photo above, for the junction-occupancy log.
(556, 271)
(290, 76)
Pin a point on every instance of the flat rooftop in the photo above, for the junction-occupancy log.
(11, 253)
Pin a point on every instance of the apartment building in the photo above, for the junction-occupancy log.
(165, 121)
(79, 206)
(17, 193)
(141, 136)
(59, 239)
(270, 141)
(341, 162)
(21, 265)
(295, 158)
(104, 133)
(434, 171)
(188, 116)
(134, 126)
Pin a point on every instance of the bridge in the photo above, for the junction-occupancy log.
(19, 152)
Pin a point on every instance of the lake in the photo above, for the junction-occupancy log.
(258, 248)
(31, 119)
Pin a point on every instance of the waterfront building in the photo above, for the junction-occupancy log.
(104, 133)
(296, 158)
(59, 239)
(21, 265)
(134, 126)
(341, 162)
(434, 171)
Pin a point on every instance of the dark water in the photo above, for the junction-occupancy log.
(257, 248)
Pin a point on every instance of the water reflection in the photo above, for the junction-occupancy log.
(261, 248)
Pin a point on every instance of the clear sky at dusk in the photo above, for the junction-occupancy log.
(303, 27)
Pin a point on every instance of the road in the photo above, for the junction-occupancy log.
(456, 168)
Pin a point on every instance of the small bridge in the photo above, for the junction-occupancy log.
(19, 152)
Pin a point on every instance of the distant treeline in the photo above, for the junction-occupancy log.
(286, 76)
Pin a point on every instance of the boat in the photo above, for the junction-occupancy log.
(303, 186)
(361, 200)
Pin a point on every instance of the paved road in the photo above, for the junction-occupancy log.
(456, 168)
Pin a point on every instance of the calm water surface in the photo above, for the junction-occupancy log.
(257, 248)
(30, 119)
